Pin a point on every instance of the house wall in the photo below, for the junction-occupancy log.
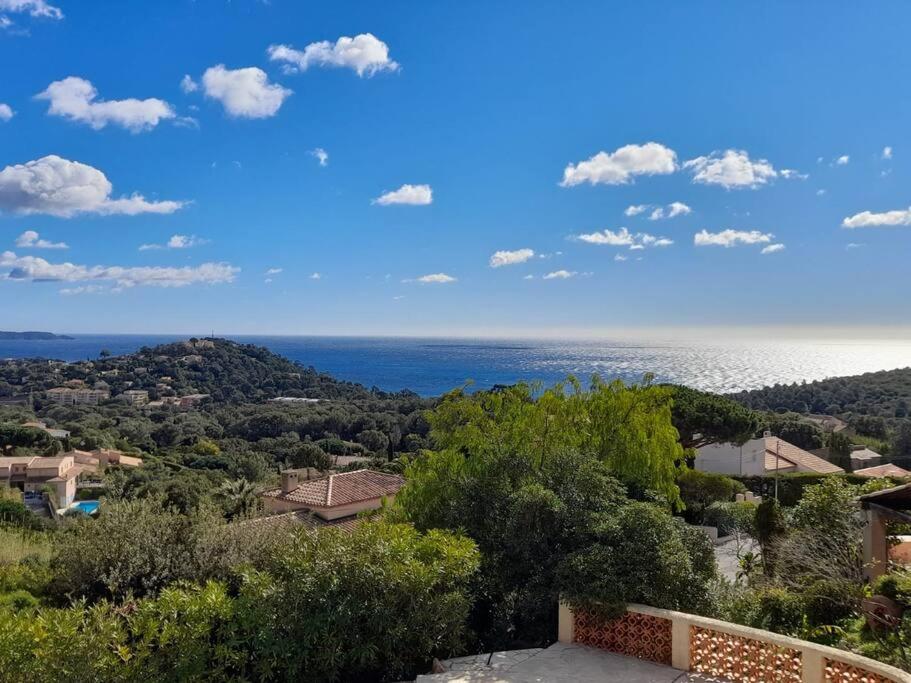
(729, 458)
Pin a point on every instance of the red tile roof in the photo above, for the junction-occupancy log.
(887, 470)
(341, 489)
(804, 460)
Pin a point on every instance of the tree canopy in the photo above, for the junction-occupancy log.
(702, 418)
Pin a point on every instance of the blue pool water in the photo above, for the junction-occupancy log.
(87, 506)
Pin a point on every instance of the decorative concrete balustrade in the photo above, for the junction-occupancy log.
(720, 649)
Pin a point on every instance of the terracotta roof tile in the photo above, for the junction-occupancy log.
(887, 470)
(341, 489)
(798, 456)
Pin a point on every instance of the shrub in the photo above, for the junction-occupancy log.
(772, 609)
(827, 601)
(731, 518)
(700, 489)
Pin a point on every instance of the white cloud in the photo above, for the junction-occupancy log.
(560, 275)
(621, 166)
(365, 53)
(820, 192)
(315, 276)
(415, 195)
(274, 271)
(75, 99)
(854, 245)
(82, 289)
(31, 240)
(619, 257)
(433, 279)
(843, 160)
(6, 112)
(34, 269)
(675, 209)
(732, 169)
(529, 277)
(772, 248)
(868, 219)
(731, 238)
(187, 84)
(790, 173)
(59, 187)
(322, 156)
(245, 93)
(177, 242)
(887, 152)
(34, 8)
(508, 258)
(624, 238)
(636, 209)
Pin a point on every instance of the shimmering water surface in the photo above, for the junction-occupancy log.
(433, 366)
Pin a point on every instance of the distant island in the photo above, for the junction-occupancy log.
(32, 336)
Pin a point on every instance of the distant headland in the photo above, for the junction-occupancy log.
(32, 336)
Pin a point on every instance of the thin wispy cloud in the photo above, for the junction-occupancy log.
(560, 275)
(731, 238)
(177, 242)
(321, 155)
(365, 54)
(60, 187)
(772, 249)
(35, 269)
(432, 279)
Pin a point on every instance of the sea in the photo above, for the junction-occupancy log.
(433, 366)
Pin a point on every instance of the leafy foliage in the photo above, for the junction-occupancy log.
(703, 418)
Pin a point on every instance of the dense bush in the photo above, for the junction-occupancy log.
(371, 606)
(772, 609)
(699, 490)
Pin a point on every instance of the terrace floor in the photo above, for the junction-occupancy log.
(558, 663)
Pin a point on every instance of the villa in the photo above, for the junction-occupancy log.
(56, 433)
(32, 473)
(71, 396)
(135, 397)
(334, 499)
(757, 457)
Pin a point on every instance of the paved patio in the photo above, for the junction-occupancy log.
(558, 663)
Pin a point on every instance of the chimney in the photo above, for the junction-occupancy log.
(289, 480)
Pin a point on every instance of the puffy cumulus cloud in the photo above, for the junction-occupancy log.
(624, 238)
(887, 152)
(34, 269)
(321, 155)
(316, 276)
(32, 240)
(59, 187)
(188, 85)
(509, 258)
(34, 8)
(415, 195)
(843, 160)
(365, 53)
(560, 275)
(732, 169)
(432, 279)
(869, 219)
(635, 209)
(772, 248)
(244, 93)
(731, 238)
(177, 242)
(621, 166)
(6, 112)
(74, 98)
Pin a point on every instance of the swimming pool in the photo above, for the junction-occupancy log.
(89, 507)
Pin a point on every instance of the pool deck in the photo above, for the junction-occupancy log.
(561, 662)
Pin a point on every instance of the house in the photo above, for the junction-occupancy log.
(763, 456)
(135, 397)
(335, 498)
(879, 508)
(109, 456)
(828, 423)
(71, 396)
(887, 470)
(32, 473)
(192, 400)
(862, 457)
(56, 433)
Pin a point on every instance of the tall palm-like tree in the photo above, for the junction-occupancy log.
(238, 497)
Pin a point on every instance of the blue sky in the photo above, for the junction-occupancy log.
(524, 128)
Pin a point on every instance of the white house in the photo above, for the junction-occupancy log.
(758, 457)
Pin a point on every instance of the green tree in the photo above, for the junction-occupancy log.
(839, 446)
(770, 529)
(238, 498)
(703, 418)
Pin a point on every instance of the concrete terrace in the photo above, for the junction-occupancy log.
(559, 663)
